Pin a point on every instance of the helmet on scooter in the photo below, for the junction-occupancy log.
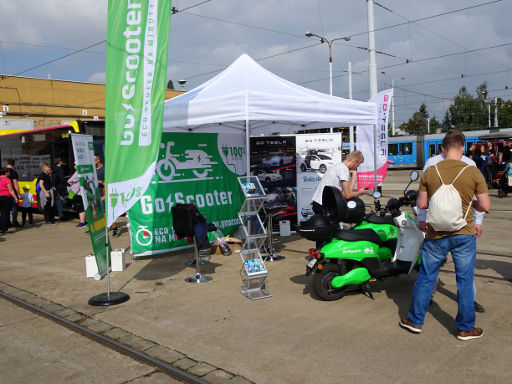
(355, 211)
(393, 204)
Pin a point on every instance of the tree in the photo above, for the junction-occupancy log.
(447, 122)
(417, 124)
(170, 85)
(504, 113)
(461, 116)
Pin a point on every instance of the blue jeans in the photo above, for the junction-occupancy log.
(433, 253)
(59, 202)
(14, 212)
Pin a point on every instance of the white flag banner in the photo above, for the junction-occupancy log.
(365, 143)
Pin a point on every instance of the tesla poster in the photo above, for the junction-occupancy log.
(315, 154)
(201, 169)
(273, 162)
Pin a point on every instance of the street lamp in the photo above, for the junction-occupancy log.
(393, 101)
(329, 43)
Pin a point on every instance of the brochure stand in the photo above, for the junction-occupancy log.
(253, 272)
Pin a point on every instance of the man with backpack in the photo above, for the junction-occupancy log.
(478, 217)
(447, 189)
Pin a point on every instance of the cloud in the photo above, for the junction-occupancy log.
(207, 38)
(97, 78)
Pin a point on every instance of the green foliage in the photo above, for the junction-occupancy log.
(465, 113)
(170, 85)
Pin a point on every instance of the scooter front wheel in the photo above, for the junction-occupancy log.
(322, 281)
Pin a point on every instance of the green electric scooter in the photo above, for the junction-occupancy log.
(383, 243)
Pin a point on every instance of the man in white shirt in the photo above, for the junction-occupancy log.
(478, 216)
(338, 176)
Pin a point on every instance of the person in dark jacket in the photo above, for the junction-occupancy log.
(61, 189)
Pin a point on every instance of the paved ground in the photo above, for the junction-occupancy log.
(36, 350)
(290, 337)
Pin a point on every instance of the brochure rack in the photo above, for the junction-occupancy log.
(253, 272)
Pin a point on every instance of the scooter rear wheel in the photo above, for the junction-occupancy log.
(322, 281)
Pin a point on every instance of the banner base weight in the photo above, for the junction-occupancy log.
(103, 299)
(198, 278)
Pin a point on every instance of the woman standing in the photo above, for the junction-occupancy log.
(6, 192)
(78, 205)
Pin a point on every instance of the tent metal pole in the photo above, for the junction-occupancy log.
(247, 149)
(374, 157)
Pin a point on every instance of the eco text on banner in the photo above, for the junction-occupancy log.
(137, 40)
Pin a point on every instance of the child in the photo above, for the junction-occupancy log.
(26, 206)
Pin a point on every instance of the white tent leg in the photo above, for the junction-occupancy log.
(247, 149)
(374, 157)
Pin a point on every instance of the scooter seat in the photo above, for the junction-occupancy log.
(375, 219)
(365, 234)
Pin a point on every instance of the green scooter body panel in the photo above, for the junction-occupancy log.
(384, 253)
(352, 250)
(353, 277)
(385, 231)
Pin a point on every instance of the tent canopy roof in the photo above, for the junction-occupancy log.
(245, 91)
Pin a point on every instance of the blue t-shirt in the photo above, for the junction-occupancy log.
(100, 172)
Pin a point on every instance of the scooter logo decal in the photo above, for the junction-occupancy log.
(368, 251)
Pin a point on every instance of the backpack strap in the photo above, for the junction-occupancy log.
(438, 174)
(467, 210)
(456, 177)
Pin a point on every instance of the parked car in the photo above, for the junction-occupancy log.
(278, 160)
(267, 177)
(317, 162)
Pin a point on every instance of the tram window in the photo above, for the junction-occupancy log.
(431, 150)
(393, 149)
(405, 148)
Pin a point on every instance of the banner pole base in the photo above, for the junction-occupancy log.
(109, 298)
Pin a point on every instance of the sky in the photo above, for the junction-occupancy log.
(431, 48)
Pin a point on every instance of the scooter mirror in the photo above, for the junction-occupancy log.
(351, 204)
(414, 175)
(377, 195)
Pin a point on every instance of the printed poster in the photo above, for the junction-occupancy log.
(273, 162)
(315, 154)
(83, 150)
(198, 168)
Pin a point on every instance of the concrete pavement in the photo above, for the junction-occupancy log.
(290, 337)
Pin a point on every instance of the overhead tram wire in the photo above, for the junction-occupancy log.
(438, 34)
(260, 59)
(266, 29)
(419, 61)
(352, 35)
(175, 10)
(60, 58)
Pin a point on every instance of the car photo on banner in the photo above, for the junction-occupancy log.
(317, 162)
(273, 162)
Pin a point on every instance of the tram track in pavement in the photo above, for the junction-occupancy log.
(161, 366)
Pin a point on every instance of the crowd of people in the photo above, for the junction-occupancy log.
(53, 189)
(488, 161)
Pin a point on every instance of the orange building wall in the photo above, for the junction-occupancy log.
(49, 102)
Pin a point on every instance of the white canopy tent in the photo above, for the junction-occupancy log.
(247, 97)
